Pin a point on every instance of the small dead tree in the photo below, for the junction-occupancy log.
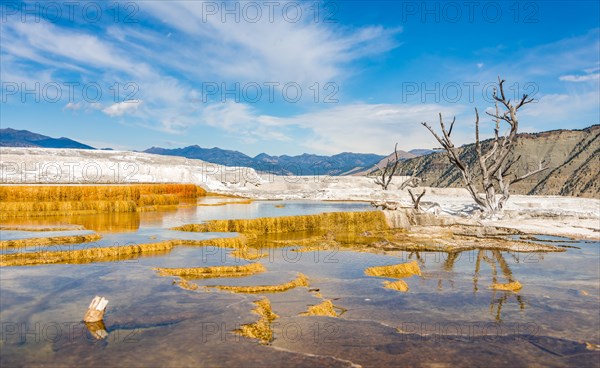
(492, 163)
(416, 199)
(385, 175)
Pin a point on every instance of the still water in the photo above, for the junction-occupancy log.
(449, 316)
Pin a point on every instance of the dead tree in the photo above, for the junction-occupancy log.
(416, 199)
(386, 174)
(495, 174)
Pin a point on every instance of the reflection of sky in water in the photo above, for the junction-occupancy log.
(172, 326)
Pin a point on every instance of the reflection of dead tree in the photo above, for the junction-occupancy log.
(418, 257)
(416, 199)
(440, 285)
(451, 260)
(387, 173)
(496, 304)
(477, 268)
(447, 267)
(495, 174)
(497, 259)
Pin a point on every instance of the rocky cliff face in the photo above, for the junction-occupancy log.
(573, 157)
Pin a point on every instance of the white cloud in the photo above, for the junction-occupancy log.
(49, 44)
(122, 108)
(73, 106)
(355, 128)
(267, 50)
(563, 108)
(95, 106)
(580, 78)
(243, 121)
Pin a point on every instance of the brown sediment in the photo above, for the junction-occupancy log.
(52, 193)
(154, 208)
(510, 286)
(158, 200)
(40, 200)
(450, 239)
(238, 242)
(395, 271)
(310, 243)
(180, 190)
(110, 254)
(279, 205)
(399, 285)
(53, 240)
(155, 197)
(315, 247)
(326, 308)
(17, 209)
(214, 271)
(184, 284)
(248, 253)
(260, 329)
(301, 280)
(107, 254)
(337, 221)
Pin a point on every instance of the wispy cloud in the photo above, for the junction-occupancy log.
(122, 108)
(580, 78)
(269, 49)
(345, 128)
(199, 50)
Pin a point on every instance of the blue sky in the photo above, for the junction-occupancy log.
(291, 77)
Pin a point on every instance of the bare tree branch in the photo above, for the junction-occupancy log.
(413, 181)
(523, 177)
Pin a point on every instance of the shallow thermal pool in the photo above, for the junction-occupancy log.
(448, 317)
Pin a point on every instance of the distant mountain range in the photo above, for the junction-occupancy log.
(346, 163)
(24, 138)
(306, 164)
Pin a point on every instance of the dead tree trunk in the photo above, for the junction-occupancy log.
(95, 312)
(416, 199)
(494, 173)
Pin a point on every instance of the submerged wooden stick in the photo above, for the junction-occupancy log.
(96, 310)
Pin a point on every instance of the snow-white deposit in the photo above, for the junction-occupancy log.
(568, 216)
